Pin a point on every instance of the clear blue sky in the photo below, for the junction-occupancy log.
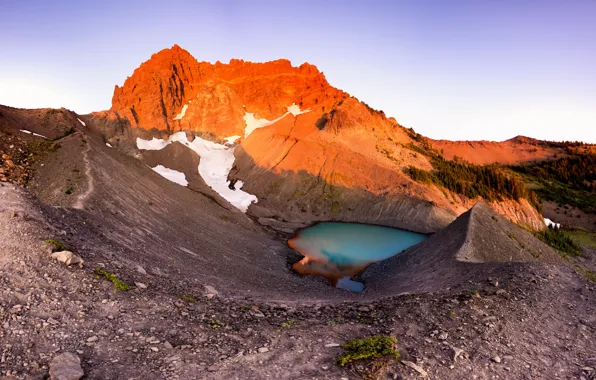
(450, 69)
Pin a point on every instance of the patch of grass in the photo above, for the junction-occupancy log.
(275, 186)
(560, 241)
(336, 207)
(214, 323)
(587, 239)
(225, 218)
(118, 283)
(336, 321)
(68, 131)
(288, 324)
(68, 190)
(188, 299)
(589, 274)
(58, 245)
(373, 347)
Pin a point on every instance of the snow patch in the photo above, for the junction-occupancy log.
(33, 133)
(253, 123)
(172, 175)
(153, 144)
(82, 122)
(182, 113)
(295, 110)
(549, 223)
(216, 162)
(231, 139)
(109, 145)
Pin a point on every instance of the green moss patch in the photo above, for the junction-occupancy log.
(374, 347)
(118, 283)
(188, 299)
(58, 246)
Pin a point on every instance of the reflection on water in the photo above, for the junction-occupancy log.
(339, 251)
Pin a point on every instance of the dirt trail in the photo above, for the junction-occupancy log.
(82, 198)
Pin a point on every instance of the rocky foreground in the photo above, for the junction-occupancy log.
(534, 322)
(138, 309)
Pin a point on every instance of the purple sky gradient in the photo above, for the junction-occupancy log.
(449, 69)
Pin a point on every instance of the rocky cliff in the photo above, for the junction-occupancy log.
(307, 150)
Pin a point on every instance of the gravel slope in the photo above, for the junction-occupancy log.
(475, 286)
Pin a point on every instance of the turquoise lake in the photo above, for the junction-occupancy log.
(339, 251)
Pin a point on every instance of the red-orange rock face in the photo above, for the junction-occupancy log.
(217, 95)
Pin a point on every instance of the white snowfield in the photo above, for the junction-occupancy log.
(82, 122)
(172, 175)
(216, 159)
(33, 133)
(216, 162)
(153, 144)
(253, 124)
(549, 222)
(182, 113)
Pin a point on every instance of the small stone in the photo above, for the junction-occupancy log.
(591, 362)
(501, 292)
(363, 309)
(262, 350)
(67, 258)
(66, 366)
(443, 336)
(211, 290)
(332, 345)
(456, 352)
(488, 319)
(496, 359)
(167, 345)
(154, 349)
(212, 368)
(140, 285)
(415, 367)
(92, 339)
(141, 270)
(258, 314)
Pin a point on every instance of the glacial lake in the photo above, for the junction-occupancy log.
(339, 251)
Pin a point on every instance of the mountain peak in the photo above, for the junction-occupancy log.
(217, 96)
